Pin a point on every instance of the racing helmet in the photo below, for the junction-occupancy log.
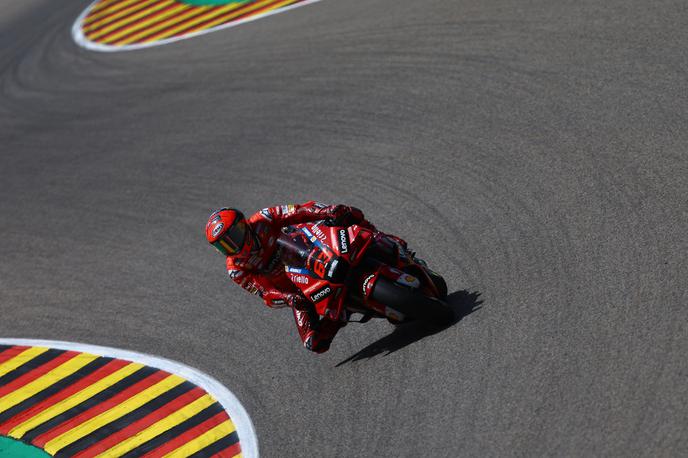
(227, 231)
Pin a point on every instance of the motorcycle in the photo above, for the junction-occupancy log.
(345, 269)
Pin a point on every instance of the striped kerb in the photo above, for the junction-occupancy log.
(74, 404)
(120, 23)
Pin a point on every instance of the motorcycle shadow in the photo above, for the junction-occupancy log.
(463, 303)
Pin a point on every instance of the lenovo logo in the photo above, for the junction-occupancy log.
(343, 241)
(322, 294)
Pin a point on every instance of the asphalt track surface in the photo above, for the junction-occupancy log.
(534, 152)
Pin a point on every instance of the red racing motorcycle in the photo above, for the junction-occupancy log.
(345, 269)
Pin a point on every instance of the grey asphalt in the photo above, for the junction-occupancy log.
(533, 152)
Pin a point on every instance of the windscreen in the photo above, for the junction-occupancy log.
(294, 249)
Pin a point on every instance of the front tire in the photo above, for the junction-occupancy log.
(439, 283)
(436, 279)
(413, 304)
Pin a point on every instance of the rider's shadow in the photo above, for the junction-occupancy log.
(462, 302)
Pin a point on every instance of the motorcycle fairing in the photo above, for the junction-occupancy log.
(326, 250)
(332, 248)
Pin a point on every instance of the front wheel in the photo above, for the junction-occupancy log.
(411, 303)
(439, 283)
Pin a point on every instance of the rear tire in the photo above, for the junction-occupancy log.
(413, 304)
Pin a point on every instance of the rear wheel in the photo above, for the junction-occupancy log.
(412, 303)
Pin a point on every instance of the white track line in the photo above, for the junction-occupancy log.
(239, 416)
(84, 42)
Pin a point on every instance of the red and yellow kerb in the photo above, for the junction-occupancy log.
(76, 404)
(137, 23)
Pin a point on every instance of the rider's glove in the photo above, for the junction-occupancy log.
(356, 214)
(337, 211)
(345, 215)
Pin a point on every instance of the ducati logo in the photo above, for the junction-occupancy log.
(300, 318)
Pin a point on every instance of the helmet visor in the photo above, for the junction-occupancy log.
(232, 241)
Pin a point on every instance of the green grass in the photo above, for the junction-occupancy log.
(12, 448)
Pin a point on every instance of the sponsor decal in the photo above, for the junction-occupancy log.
(366, 284)
(319, 233)
(300, 317)
(318, 261)
(299, 279)
(409, 280)
(333, 266)
(321, 294)
(296, 270)
(309, 234)
(234, 273)
(278, 302)
(288, 209)
(217, 229)
(343, 241)
(254, 288)
(266, 214)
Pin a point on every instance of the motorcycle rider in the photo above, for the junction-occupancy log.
(253, 260)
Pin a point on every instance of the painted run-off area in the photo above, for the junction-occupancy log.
(69, 402)
(114, 25)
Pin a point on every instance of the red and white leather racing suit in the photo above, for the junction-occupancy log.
(258, 269)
